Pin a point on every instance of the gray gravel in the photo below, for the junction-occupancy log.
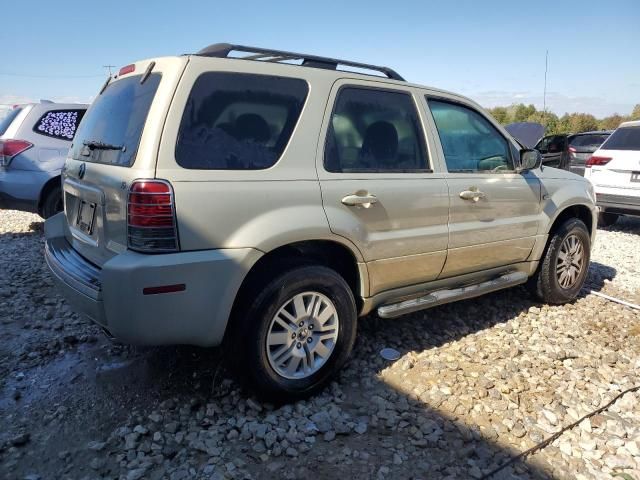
(477, 383)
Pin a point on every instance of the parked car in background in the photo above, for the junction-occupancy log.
(570, 151)
(614, 170)
(581, 146)
(34, 141)
(268, 204)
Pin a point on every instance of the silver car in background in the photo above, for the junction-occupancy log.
(34, 140)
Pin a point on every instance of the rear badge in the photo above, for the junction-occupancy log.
(82, 170)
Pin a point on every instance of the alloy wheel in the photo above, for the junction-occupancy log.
(302, 335)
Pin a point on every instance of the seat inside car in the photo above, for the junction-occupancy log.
(380, 145)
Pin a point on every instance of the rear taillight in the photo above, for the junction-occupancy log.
(151, 220)
(594, 161)
(11, 148)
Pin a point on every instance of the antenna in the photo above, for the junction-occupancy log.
(544, 95)
(109, 67)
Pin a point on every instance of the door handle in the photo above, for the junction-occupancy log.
(363, 200)
(473, 194)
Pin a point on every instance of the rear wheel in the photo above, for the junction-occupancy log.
(52, 203)
(564, 267)
(294, 333)
(607, 219)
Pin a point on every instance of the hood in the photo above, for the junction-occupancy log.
(557, 173)
(527, 133)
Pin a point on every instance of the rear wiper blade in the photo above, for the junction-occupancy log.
(95, 145)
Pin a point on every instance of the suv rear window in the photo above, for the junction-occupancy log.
(592, 140)
(115, 121)
(60, 124)
(238, 121)
(8, 119)
(625, 138)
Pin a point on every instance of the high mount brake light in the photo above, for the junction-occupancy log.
(126, 69)
(597, 161)
(151, 220)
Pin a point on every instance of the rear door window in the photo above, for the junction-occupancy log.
(375, 131)
(60, 124)
(8, 119)
(625, 138)
(110, 130)
(236, 121)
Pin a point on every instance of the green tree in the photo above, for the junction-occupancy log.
(582, 122)
(522, 112)
(611, 122)
(500, 114)
(635, 114)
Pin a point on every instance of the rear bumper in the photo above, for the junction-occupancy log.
(113, 297)
(623, 204)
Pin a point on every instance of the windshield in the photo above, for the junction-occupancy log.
(8, 119)
(625, 138)
(115, 120)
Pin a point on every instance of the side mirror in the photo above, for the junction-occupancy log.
(529, 160)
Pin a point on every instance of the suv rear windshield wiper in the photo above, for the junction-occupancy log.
(96, 145)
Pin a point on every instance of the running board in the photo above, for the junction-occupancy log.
(440, 297)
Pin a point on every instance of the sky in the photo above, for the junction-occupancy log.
(491, 51)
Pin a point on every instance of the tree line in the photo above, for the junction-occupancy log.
(567, 123)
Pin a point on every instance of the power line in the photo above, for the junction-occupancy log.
(109, 67)
(27, 75)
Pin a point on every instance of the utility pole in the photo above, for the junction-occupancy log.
(544, 95)
(109, 67)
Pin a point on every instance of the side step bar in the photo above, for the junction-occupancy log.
(440, 297)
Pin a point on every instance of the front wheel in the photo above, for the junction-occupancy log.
(296, 333)
(564, 267)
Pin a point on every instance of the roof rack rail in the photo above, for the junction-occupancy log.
(222, 50)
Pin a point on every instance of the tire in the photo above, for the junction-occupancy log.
(253, 323)
(607, 219)
(548, 283)
(52, 203)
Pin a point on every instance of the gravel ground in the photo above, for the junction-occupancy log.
(478, 383)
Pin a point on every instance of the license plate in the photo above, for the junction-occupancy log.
(635, 176)
(86, 214)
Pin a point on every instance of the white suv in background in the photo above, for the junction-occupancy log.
(34, 141)
(614, 170)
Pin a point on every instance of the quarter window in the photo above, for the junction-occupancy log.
(374, 130)
(469, 141)
(60, 124)
(237, 121)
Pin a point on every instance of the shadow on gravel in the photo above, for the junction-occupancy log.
(598, 274)
(625, 224)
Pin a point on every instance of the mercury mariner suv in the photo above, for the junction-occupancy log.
(265, 200)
